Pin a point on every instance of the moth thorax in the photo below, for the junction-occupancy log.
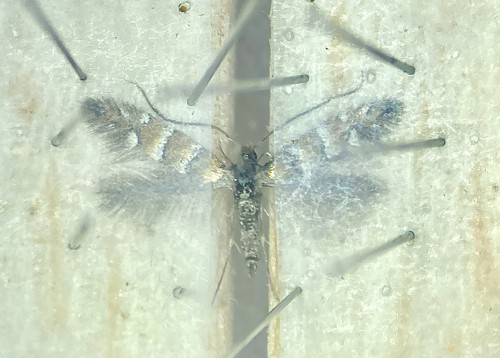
(248, 154)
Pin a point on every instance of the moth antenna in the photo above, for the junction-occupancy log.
(265, 322)
(173, 121)
(247, 13)
(313, 108)
(364, 45)
(43, 21)
(228, 160)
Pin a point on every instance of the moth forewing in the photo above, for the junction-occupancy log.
(153, 161)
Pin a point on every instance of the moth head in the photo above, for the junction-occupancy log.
(248, 154)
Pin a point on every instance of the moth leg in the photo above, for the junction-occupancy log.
(268, 165)
(270, 156)
(240, 251)
(264, 243)
(219, 283)
(231, 244)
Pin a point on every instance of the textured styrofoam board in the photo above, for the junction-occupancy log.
(40, 97)
(113, 296)
(438, 296)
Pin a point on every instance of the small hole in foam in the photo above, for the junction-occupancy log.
(184, 6)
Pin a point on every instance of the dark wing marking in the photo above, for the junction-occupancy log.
(373, 120)
(316, 173)
(156, 160)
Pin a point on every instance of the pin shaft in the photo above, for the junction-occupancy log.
(383, 147)
(45, 24)
(247, 13)
(352, 263)
(364, 45)
(265, 322)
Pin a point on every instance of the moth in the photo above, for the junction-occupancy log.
(174, 163)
